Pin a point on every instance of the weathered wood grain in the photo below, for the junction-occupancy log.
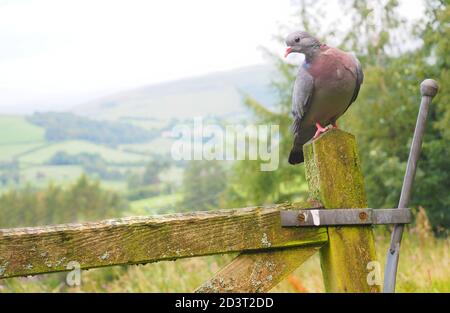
(135, 240)
(258, 271)
(335, 179)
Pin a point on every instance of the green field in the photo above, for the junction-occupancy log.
(172, 175)
(155, 205)
(16, 129)
(40, 175)
(44, 154)
(115, 185)
(9, 152)
(25, 144)
(156, 146)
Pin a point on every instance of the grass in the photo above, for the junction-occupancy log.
(423, 267)
(158, 145)
(172, 175)
(41, 156)
(41, 175)
(155, 205)
(16, 129)
(10, 152)
(115, 185)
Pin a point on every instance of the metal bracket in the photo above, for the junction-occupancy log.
(338, 217)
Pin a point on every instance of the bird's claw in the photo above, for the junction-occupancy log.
(319, 130)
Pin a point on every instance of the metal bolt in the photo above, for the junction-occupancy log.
(363, 216)
(301, 217)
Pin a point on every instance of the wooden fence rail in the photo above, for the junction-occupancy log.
(136, 240)
(268, 252)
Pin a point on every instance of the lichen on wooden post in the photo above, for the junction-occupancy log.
(334, 177)
(139, 240)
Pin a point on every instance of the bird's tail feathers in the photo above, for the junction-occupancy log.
(296, 155)
(302, 135)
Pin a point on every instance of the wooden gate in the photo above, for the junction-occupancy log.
(268, 252)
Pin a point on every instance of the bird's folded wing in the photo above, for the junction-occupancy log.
(301, 96)
(356, 69)
(359, 79)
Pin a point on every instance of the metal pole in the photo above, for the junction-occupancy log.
(428, 89)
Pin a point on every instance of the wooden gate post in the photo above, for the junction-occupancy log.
(335, 179)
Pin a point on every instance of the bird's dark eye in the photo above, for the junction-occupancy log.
(297, 39)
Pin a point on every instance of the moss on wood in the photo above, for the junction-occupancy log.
(257, 271)
(335, 179)
(137, 240)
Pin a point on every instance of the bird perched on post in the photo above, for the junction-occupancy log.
(327, 83)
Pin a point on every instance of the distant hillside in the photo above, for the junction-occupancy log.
(67, 126)
(218, 94)
(16, 130)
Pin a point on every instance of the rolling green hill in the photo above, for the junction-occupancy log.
(27, 156)
(42, 155)
(17, 130)
(123, 133)
(9, 152)
(218, 94)
(25, 152)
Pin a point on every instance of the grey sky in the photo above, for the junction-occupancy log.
(57, 53)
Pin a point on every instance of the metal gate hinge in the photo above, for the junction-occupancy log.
(338, 217)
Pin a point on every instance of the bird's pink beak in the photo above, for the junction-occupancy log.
(288, 50)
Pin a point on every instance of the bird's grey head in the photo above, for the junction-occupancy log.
(302, 42)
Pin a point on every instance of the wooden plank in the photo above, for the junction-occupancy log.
(136, 240)
(334, 177)
(258, 271)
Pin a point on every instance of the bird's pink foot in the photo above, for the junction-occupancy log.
(335, 125)
(319, 130)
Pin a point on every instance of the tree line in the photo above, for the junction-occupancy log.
(67, 126)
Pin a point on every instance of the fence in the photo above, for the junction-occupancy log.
(268, 252)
